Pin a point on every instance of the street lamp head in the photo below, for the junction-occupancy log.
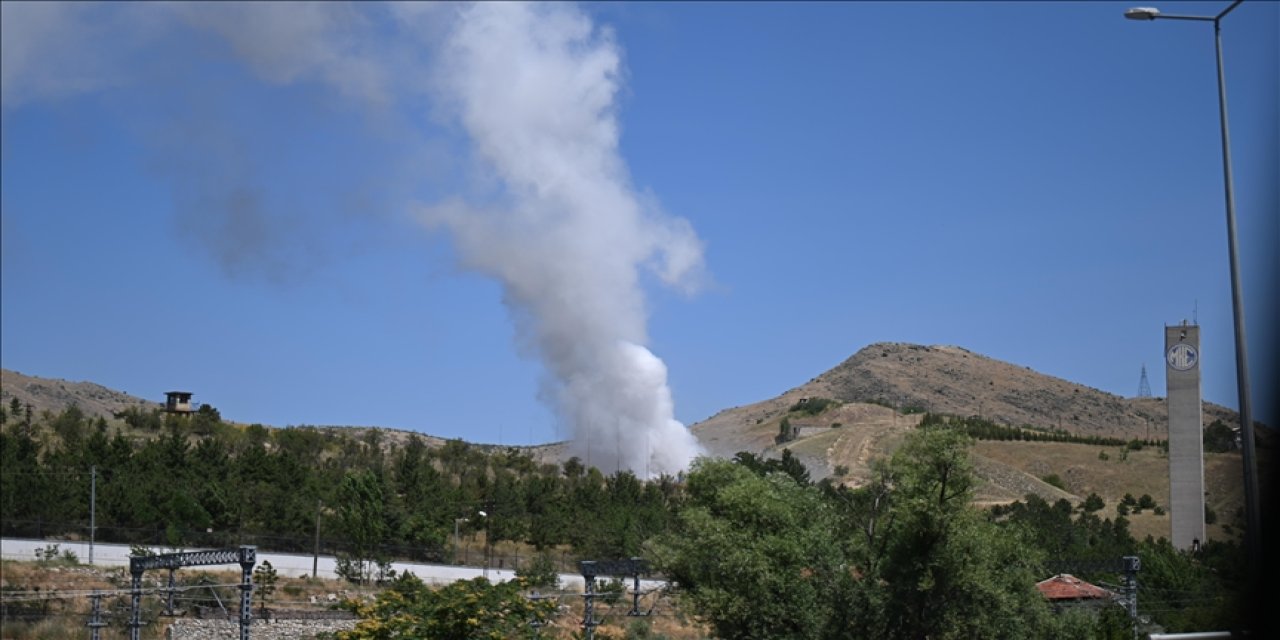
(1142, 13)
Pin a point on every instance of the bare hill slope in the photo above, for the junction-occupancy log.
(883, 389)
(953, 380)
(943, 379)
(49, 394)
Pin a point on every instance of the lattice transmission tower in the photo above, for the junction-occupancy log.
(1144, 386)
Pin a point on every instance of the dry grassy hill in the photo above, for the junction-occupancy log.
(54, 395)
(948, 380)
(952, 380)
(882, 389)
(48, 394)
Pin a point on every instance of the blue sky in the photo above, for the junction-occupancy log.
(190, 205)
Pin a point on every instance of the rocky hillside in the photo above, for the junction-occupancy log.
(882, 391)
(955, 381)
(54, 395)
(895, 380)
(48, 394)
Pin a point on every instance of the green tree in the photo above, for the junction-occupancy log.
(756, 555)
(1219, 438)
(264, 583)
(1092, 504)
(361, 504)
(464, 610)
(936, 568)
(206, 420)
(765, 556)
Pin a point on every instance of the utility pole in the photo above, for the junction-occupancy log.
(315, 556)
(456, 521)
(635, 590)
(93, 512)
(488, 545)
(1132, 564)
(588, 611)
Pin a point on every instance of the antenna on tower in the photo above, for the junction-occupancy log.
(1144, 386)
(1195, 312)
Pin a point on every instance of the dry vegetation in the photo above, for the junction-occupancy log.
(1083, 470)
(67, 586)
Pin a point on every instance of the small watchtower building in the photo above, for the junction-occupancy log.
(178, 402)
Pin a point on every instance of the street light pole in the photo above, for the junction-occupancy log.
(1253, 533)
(455, 537)
(486, 542)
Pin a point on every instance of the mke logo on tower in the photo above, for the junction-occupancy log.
(1186, 443)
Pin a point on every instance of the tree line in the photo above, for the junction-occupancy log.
(196, 480)
(758, 548)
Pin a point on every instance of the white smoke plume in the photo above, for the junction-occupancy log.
(535, 87)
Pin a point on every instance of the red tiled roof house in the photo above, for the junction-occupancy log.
(1067, 589)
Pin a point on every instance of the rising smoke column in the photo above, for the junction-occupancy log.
(534, 87)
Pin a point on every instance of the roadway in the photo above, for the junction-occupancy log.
(285, 564)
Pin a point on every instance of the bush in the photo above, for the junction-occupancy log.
(611, 590)
(264, 581)
(540, 572)
(464, 609)
(786, 433)
(642, 630)
(1092, 503)
(1219, 438)
(50, 556)
(813, 406)
(1053, 479)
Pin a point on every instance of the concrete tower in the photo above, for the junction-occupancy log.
(1186, 434)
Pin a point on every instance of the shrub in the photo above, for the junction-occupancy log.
(1219, 438)
(813, 406)
(264, 579)
(1053, 479)
(464, 609)
(611, 590)
(1092, 503)
(785, 432)
(540, 572)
